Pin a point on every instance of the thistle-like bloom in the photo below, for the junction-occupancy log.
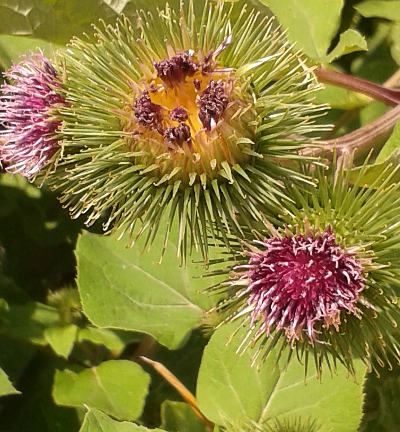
(26, 107)
(183, 118)
(324, 283)
(299, 281)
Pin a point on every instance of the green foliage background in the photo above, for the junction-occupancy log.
(78, 309)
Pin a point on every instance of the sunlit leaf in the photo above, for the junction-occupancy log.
(340, 98)
(57, 20)
(6, 388)
(395, 46)
(113, 340)
(97, 421)
(179, 417)
(117, 387)
(12, 47)
(349, 41)
(124, 288)
(61, 338)
(388, 9)
(302, 20)
(229, 389)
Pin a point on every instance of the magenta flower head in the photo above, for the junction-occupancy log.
(299, 283)
(324, 282)
(26, 104)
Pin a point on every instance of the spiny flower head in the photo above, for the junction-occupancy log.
(296, 282)
(184, 116)
(27, 104)
(324, 283)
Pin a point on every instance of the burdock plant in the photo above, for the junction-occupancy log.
(322, 285)
(27, 108)
(183, 117)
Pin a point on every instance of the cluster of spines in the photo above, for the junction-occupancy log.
(365, 222)
(100, 174)
(280, 424)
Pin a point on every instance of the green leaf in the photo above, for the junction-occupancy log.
(311, 24)
(39, 324)
(118, 387)
(373, 171)
(29, 321)
(389, 157)
(6, 388)
(124, 288)
(179, 417)
(61, 338)
(113, 340)
(340, 98)
(395, 45)
(35, 410)
(11, 47)
(372, 111)
(391, 145)
(349, 41)
(96, 421)
(387, 9)
(3, 305)
(381, 407)
(377, 64)
(230, 390)
(57, 20)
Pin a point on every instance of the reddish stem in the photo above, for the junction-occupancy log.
(388, 96)
(361, 141)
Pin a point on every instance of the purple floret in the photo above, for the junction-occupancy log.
(28, 141)
(299, 282)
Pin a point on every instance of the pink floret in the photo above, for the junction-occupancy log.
(27, 141)
(298, 282)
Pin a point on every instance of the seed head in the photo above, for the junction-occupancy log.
(26, 107)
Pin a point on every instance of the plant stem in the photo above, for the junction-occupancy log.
(359, 142)
(393, 81)
(388, 96)
(183, 391)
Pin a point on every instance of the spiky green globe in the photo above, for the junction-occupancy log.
(195, 118)
(323, 285)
